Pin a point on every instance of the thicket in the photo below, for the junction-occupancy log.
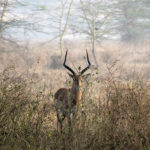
(118, 119)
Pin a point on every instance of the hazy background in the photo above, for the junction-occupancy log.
(42, 30)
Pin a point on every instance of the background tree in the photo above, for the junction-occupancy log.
(3, 7)
(60, 20)
(91, 21)
(133, 19)
(63, 22)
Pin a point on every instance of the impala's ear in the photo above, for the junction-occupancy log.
(86, 76)
(71, 75)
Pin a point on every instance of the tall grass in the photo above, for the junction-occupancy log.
(114, 115)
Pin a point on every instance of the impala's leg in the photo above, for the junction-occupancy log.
(69, 120)
(74, 113)
(58, 122)
(60, 119)
(61, 125)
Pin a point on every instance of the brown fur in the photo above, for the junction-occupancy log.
(67, 99)
(73, 95)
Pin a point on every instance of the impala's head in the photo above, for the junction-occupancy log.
(77, 78)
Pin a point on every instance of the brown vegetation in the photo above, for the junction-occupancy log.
(114, 112)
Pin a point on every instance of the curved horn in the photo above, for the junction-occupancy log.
(66, 65)
(89, 64)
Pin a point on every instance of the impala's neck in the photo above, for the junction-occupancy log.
(76, 93)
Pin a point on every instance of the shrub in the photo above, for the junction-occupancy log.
(116, 118)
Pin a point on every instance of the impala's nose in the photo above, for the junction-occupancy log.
(79, 83)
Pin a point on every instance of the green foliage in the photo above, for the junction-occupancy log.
(79, 68)
(42, 7)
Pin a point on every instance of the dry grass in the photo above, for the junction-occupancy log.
(114, 113)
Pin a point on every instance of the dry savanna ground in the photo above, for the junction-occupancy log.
(114, 113)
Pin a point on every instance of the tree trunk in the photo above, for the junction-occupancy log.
(93, 52)
(61, 47)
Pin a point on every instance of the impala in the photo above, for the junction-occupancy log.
(67, 99)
